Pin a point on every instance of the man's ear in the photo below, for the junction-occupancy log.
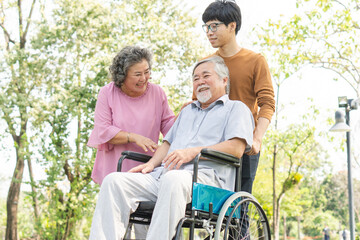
(232, 26)
(225, 81)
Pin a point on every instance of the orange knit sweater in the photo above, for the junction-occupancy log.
(250, 82)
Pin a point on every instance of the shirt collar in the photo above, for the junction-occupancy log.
(221, 100)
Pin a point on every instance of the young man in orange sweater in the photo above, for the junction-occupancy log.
(250, 80)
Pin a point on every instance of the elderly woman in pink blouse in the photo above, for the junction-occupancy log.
(130, 113)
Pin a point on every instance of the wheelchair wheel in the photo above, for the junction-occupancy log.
(242, 217)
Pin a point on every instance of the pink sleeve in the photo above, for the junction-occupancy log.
(168, 117)
(103, 129)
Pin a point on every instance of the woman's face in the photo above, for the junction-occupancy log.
(136, 79)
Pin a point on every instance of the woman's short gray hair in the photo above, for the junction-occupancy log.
(220, 68)
(127, 57)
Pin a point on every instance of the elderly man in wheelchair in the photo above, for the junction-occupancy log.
(213, 122)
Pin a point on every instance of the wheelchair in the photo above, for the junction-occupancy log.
(223, 214)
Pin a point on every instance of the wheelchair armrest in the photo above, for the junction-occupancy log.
(220, 157)
(132, 156)
(214, 155)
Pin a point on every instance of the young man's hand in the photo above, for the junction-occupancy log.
(255, 148)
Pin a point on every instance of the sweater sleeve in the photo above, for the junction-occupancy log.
(104, 130)
(264, 89)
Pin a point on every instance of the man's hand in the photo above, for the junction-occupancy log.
(143, 168)
(255, 148)
(260, 130)
(179, 157)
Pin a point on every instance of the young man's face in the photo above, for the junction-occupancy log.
(221, 35)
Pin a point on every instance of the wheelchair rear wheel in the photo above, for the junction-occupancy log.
(242, 217)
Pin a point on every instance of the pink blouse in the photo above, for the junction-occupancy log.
(147, 115)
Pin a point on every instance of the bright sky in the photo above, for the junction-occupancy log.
(315, 84)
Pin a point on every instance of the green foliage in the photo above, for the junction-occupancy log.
(53, 83)
(295, 152)
(320, 215)
(26, 217)
(298, 151)
(325, 34)
(317, 221)
(292, 180)
(2, 217)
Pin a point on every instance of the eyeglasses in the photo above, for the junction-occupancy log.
(212, 26)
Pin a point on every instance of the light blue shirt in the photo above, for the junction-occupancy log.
(223, 120)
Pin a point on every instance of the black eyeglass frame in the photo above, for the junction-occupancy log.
(212, 26)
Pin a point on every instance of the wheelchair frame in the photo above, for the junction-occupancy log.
(225, 222)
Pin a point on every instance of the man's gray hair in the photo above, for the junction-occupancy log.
(220, 68)
(127, 57)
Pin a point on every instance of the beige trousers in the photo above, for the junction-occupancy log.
(121, 192)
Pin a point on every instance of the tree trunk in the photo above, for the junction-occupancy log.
(14, 193)
(274, 194)
(20, 141)
(357, 218)
(33, 190)
(274, 168)
(276, 222)
(285, 234)
(298, 227)
(69, 224)
(277, 217)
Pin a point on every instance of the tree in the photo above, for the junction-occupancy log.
(75, 49)
(22, 77)
(118, 24)
(334, 189)
(324, 34)
(298, 150)
(285, 61)
(297, 154)
(331, 33)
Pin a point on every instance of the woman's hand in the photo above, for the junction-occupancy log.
(143, 142)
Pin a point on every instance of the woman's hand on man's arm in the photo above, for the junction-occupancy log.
(155, 161)
(145, 143)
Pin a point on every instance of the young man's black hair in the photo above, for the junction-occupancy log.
(224, 11)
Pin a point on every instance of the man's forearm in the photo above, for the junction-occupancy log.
(235, 146)
(160, 154)
(178, 157)
(259, 132)
(262, 125)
